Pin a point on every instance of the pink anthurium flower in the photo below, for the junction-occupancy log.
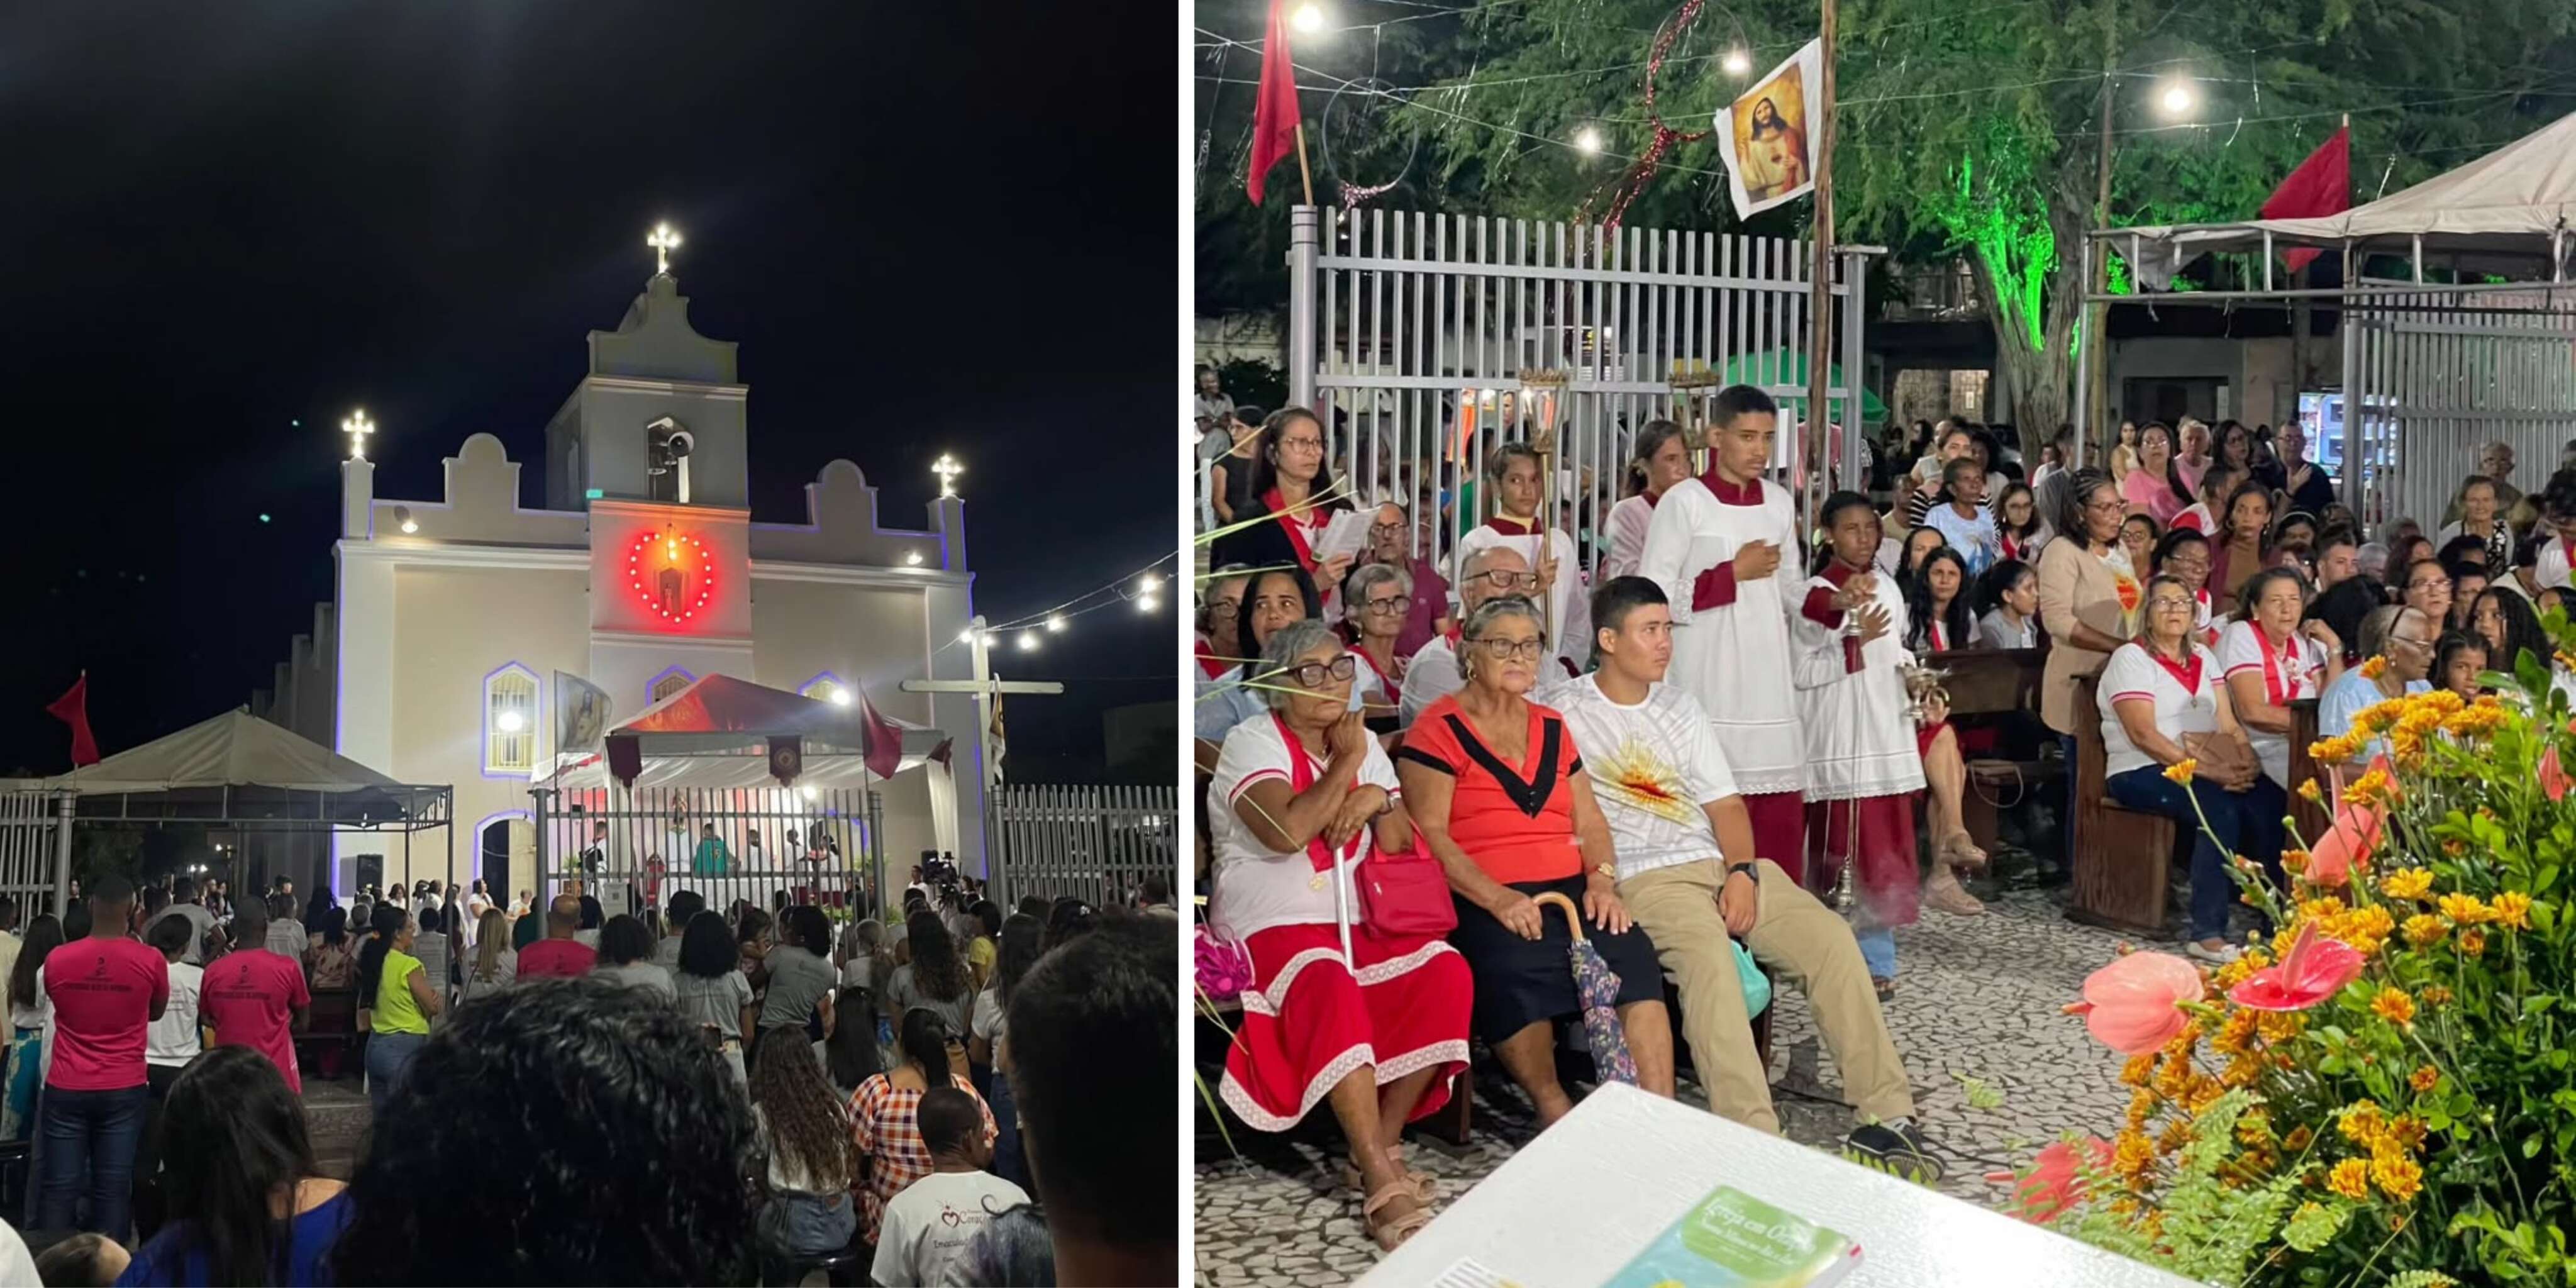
(2314, 969)
(2347, 844)
(2133, 1005)
(2553, 776)
(2054, 1182)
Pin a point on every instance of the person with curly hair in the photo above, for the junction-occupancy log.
(626, 955)
(937, 977)
(247, 1202)
(804, 1130)
(586, 1134)
(885, 1113)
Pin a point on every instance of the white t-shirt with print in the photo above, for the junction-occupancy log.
(930, 1225)
(2296, 671)
(2185, 703)
(1258, 887)
(1653, 766)
(174, 1039)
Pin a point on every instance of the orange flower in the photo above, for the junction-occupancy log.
(2350, 1178)
(2423, 1078)
(2311, 793)
(2373, 667)
(2473, 942)
(2407, 883)
(2394, 1006)
(2181, 770)
(2424, 928)
(2512, 908)
(2463, 908)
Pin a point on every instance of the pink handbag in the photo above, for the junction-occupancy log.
(1406, 895)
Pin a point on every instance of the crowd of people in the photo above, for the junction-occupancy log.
(1730, 741)
(689, 1096)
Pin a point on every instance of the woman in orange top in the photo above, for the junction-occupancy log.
(1494, 786)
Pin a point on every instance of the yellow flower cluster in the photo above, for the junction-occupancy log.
(2366, 929)
(2424, 929)
(2335, 750)
(2464, 909)
(2407, 883)
(2479, 720)
(2350, 1178)
(2370, 789)
(2391, 1142)
(2374, 666)
(2473, 942)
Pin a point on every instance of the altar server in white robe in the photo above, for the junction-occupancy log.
(1865, 760)
(1512, 476)
(1715, 545)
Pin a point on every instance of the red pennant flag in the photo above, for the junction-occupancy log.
(1274, 114)
(2322, 185)
(882, 745)
(942, 753)
(73, 709)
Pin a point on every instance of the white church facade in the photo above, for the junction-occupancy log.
(639, 568)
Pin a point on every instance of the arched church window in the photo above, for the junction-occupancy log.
(510, 720)
(671, 682)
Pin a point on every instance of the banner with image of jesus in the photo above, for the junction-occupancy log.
(1767, 134)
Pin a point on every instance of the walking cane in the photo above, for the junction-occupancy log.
(1342, 909)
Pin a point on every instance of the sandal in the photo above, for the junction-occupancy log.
(1959, 850)
(1425, 1187)
(1942, 893)
(1886, 988)
(1395, 1231)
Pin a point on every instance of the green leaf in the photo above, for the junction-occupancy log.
(2313, 1225)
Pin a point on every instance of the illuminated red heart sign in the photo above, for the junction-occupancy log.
(674, 575)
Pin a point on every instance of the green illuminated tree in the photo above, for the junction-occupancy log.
(1967, 127)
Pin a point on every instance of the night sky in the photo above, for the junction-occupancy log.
(929, 226)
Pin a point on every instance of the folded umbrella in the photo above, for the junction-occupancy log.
(1597, 986)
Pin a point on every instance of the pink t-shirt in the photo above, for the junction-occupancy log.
(568, 958)
(250, 997)
(104, 992)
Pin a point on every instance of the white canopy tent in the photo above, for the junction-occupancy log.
(2431, 369)
(2511, 205)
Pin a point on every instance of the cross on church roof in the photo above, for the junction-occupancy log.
(357, 427)
(947, 468)
(663, 241)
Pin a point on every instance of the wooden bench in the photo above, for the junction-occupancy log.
(1988, 685)
(2309, 820)
(2123, 858)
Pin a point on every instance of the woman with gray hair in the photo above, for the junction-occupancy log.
(1298, 801)
(1497, 789)
(1377, 598)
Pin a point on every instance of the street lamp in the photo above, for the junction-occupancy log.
(1588, 139)
(1308, 18)
(2177, 97)
(1737, 63)
(840, 696)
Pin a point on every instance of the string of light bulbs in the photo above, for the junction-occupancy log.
(1142, 589)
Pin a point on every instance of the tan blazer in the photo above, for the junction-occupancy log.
(2074, 585)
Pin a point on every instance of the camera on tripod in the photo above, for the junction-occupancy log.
(940, 875)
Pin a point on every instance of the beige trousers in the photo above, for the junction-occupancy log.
(1806, 946)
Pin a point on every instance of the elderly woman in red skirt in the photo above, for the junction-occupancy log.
(1302, 791)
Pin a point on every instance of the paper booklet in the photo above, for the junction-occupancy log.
(1347, 534)
(1731, 1239)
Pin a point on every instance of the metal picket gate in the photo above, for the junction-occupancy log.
(30, 851)
(1096, 844)
(2441, 373)
(811, 845)
(1398, 319)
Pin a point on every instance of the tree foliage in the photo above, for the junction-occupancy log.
(1966, 127)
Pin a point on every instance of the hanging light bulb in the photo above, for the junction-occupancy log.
(1737, 62)
(1055, 623)
(1148, 584)
(1308, 18)
(1147, 603)
(1028, 641)
(1588, 139)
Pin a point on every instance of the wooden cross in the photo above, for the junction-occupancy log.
(947, 468)
(663, 241)
(357, 427)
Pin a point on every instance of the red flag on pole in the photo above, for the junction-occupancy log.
(1274, 114)
(73, 709)
(2322, 185)
(882, 745)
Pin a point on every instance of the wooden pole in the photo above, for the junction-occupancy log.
(1304, 175)
(1820, 307)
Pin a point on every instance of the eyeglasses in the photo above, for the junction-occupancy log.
(2429, 583)
(1391, 604)
(1528, 650)
(1500, 579)
(1315, 445)
(1311, 675)
(2410, 641)
(2105, 505)
(1387, 529)
(2170, 604)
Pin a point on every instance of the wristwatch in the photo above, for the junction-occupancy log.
(1745, 867)
(1609, 870)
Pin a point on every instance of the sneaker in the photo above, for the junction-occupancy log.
(2218, 956)
(1899, 1148)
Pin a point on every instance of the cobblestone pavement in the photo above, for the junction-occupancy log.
(1979, 998)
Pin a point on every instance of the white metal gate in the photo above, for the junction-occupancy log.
(30, 852)
(1093, 843)
(1398, 321)
(2442, 373)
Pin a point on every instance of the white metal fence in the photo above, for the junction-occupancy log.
(29, 851)
(753, 844)
(1408, 334)
(2449, 372)
(1093, 843)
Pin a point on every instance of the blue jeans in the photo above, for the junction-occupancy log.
(389, 1057)
(2246, 823)
(1878, 950)
(1008, 1162)
(89, 1140)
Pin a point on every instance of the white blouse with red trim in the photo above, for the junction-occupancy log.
(2185, 697)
